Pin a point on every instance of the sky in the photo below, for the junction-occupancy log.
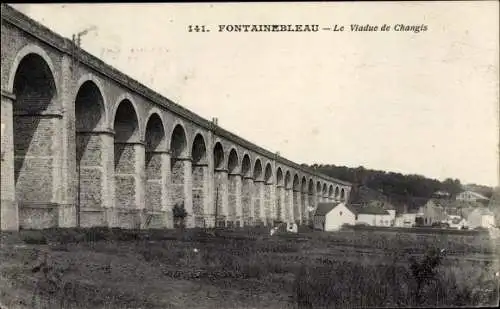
(422, 103)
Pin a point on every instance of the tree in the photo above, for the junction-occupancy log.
(180, 214)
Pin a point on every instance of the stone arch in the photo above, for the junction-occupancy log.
(126, 122)
(325, 190)
(36, 121)
(296, 183)
(136, 137)
(246, 190)
(155, 137)
(220, 183)
(257, 170)
(233, 161)
(126, 155)
(330, 192)
(296, 197)
(279, 176)
(158, 115)
(304, 199)
(178, 142)
(90, 138)
(218, 156)
(303, 186)
(178, 162)
(199, 150)
(288, 200)
(311, 197)
(311, 187)
(318, 188)
(280, 210)
(288, 180)
(90, 108)
(342, 194)
(268, 176)
(30, 49)
(268, 181)
(155, 150)
(233, 182)
(246, 166)
(337, 192)
(199, 172)
(258, 189)
(97, 83)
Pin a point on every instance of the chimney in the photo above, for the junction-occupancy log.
(215, 120)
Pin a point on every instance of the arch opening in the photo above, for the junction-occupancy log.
(311, 199)
(232, 162)
(218, 156)
(155, 139)
(296, 198)
(178, 142)
(246, 190)
(199, 172)
(258, 188)
(330, 192)
(178, 146)
(90, 169)
(268, 180)
(280, 213)
(126, 127)
(220, 187)
(232, 167)
(304, 199)
(199, 150)
(35, 131)
(257, 170)
(245, 166)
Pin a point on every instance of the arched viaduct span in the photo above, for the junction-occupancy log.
(83, 143)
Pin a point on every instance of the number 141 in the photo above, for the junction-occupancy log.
(197, 28)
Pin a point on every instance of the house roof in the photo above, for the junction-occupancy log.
(369, 209)
(324, 208)
(477, 195)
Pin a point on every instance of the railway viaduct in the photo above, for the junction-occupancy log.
(84, 144)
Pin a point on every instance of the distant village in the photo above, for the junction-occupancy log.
(468, 210)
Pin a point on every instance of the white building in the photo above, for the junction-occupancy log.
(375, 215)
(481, 217)
(471, 196)
(331, 216)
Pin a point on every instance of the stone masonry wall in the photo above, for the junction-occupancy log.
(89, 150)
(153, 181)
(258, 186)
(279, 203)
(34, 158)
(303, 204)
(198, 194)
(267, 201)
(232, 183)
(125, 183)
(177, 177)
(296, 205)
(246, 199)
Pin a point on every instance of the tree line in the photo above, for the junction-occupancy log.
(396, 185)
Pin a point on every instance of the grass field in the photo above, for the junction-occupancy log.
(112, 268)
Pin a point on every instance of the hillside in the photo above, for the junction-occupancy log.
(411, 191)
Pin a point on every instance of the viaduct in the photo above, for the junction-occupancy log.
(85, 145)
